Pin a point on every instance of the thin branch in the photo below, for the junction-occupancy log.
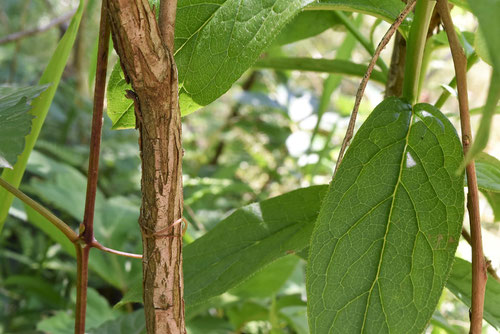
(61, 226)
(82, 276)
(359, 95)
(491, 270)
(479, 276)
(166, 22)
(33, 31)
(97, 245)
(95, 139)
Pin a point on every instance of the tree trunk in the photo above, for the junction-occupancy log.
(149, 66)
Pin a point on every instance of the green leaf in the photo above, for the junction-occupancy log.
(217, 41)
(459, 284)
(63, 322)
(120, 109)
(131, 323)
(51, 75)
(387, 10)
(319, 65)
(269, 280)
(486, 12)
(254, 236)
(306, 24)
(15, 121)
(488, 180)
(36, 286)
(389, 225)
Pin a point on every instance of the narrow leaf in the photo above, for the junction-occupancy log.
(319, 65)
(389, 226)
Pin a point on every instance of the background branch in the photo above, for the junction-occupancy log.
(33, 31)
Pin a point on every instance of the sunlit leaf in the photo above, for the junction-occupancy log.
(385, 239)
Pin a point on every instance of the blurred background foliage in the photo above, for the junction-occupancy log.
(261, 139)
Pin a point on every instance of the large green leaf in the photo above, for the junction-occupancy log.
(217, 41)
(269, 280)
(389, 225)
(51, 75)
(387, 10)
(247, 240)
(15, 121)
(489, 26)
(460, 282)
(488, 180)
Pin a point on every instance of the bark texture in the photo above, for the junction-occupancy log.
(149, 66)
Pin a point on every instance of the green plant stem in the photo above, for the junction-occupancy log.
(415, 48)
(362, 39)
(473, 58)
(62, 226)
(318, 65)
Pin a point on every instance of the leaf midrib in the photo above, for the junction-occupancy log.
(396, 187)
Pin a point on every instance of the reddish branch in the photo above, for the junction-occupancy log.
(479, 276)
(87, 232)
(361, 90)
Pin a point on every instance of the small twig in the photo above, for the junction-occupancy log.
(166, 22)
(479, 276)
(97, 245)
(490, 269)
(359, 95)
(30, 32)
(61, 226)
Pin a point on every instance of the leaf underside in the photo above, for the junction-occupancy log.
(389, 226)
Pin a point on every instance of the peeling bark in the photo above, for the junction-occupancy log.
(149, 66)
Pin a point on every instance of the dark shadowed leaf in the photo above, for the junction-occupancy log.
(389, 225)
(307, 24)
